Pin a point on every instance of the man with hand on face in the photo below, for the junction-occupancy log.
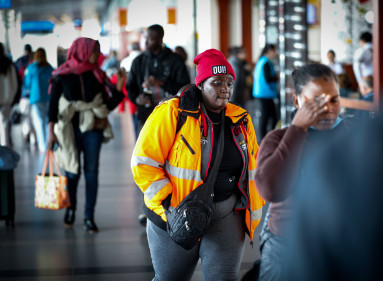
(155, 74)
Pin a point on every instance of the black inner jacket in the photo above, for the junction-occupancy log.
(231, 163)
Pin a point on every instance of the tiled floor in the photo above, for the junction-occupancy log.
(41, 248)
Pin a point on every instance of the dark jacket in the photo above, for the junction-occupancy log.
(166, 66)
(70, 86)
(241, 92)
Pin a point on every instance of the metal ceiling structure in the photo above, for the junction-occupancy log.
(56, 10)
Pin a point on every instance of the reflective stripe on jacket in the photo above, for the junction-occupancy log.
(168, 162)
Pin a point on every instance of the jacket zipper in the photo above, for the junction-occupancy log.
(243, 170)
(187, 144)
(211, 146)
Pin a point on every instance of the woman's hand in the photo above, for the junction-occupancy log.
(307, 115)
(152, 81)
(143, 99)
(52, 138)
(121, 76)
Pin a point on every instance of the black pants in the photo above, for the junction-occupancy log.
(142, 114)
(267, 118)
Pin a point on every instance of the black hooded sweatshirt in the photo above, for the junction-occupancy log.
(166, 66)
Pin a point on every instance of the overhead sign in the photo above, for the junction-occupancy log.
(123, 16)
(172, 15)
(37, 26)
(5, 4)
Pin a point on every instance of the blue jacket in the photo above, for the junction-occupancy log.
(262, 88)
(37, 81)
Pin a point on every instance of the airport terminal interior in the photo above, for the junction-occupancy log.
(39, 247)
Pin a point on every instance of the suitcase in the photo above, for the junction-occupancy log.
(7, 197)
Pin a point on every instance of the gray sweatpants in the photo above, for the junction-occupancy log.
(220, 249)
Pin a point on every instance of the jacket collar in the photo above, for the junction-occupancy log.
(162, 54)
(190, 97)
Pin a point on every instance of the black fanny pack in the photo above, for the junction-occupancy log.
(188, 222)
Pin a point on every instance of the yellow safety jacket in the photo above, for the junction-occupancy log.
(171, 161)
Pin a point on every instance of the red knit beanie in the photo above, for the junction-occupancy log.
(211, 63)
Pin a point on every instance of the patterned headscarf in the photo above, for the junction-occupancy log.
(77, 60)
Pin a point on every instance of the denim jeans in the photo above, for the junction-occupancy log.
(39, 116)
(5, 112)
(271, 246)
(88, 144)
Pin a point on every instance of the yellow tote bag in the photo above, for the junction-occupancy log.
(51, 191)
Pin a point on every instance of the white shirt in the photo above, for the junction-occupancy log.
(363, 62)
(336, 67)
(127, 62)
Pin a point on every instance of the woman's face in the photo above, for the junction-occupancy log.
(329, 87)
(95, 54)
(330, 57)
(216, 92)
(272, 53)
(39, 55)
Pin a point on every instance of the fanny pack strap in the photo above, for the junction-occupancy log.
(211, 177)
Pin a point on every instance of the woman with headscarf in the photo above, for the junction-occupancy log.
(81, 98)
(174, 155)
(8, 90)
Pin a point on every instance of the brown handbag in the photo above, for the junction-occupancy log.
(100, 123)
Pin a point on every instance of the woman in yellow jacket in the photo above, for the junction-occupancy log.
(172, 157)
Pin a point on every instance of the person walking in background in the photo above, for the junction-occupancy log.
(8, 90)
(126, 64)
(111, 64)
(170, 162)
(21, 65)
(333, 64)
(36, 80)
(23, 61)
(243, 79)
(179, 50)
(155, 74)
(131, 106)
(363, 63)
(279, 165)
(81, 98)
(265, 90)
